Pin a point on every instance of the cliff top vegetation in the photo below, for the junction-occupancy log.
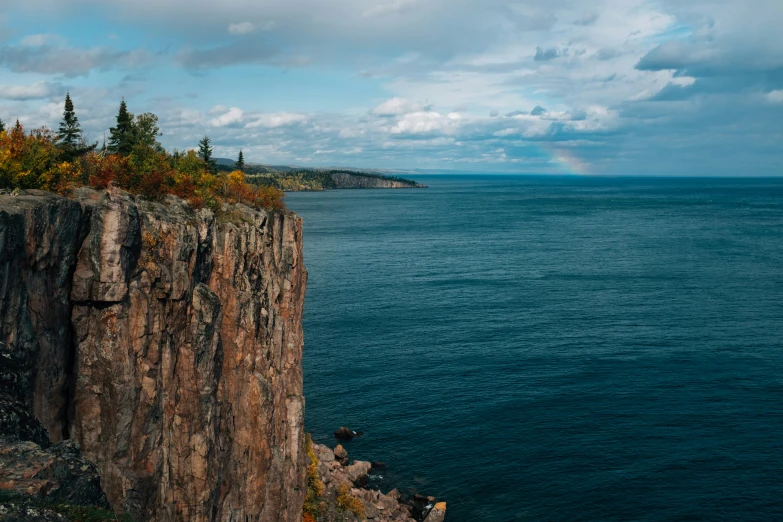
(132, 159)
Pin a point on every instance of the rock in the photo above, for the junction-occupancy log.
(340, 452)
(23, 511)
(378, 465)
(325, 454)
(371, 511)
(437, 514)
(395, 494)
(358, 470)
(344, 433)
(167, 342)
(58, 474)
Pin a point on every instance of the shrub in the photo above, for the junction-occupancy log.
(347, 502)
(315, 487)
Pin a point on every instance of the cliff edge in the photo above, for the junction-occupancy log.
(166, 342)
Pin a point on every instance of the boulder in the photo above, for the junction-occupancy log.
(345, 433)
(325, 454)
(379, 465)
(340, 452)
(358, 471)
(437, 514)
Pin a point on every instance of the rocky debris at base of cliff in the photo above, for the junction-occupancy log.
(351, 480)
(57, 474)
(40, 480)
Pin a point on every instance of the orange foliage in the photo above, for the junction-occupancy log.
(35, 161)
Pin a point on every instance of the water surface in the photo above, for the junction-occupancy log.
(565, 349)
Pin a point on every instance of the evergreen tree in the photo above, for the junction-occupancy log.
(241, 161)
(205, 153)
(70, 134)
(121, 136)
(2, 126)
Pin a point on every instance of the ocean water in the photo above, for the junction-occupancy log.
(554, 348)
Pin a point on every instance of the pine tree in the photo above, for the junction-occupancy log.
(2, 126)
(121, 136)
(205, 153)
(241, 161)
(70, 134)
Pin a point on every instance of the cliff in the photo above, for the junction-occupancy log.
(166, 342)
(346, 180)
(317, 180)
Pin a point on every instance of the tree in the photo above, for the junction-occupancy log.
(241, 161)
(146, 131)
(70, 130)
(70, 137)
(205, 153)
(121, 136)
(2, 126)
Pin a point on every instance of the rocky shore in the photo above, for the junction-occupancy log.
(346, 497)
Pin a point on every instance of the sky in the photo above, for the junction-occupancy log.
(606, 87)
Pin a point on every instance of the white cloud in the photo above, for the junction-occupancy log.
(399, 106)
(30, 92)
(775, 96)
(425, 123)
(281, 119)
(232, 116)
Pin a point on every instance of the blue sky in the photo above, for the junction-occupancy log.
(537, 86)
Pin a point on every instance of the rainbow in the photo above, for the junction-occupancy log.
(567, 162)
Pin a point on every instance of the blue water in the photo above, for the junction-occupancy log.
(565, 349)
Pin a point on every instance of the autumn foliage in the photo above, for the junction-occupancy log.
(35, 161)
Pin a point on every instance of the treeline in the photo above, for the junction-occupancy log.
(132, 159)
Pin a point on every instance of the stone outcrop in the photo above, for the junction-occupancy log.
(378, 507)
(166, 342)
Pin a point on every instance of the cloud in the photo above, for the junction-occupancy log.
(52, 55)
(543, 55)
(399, 106)
(33, 91)
(775, 96)
(389, 7)
(241, 28)
(417, 123)
(241, 52)
(621, 81)
(233, 116)
(538, 111)
(587, 19)
(282, 119)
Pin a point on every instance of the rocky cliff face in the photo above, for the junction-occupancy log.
(344, 180)
(167, 342)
